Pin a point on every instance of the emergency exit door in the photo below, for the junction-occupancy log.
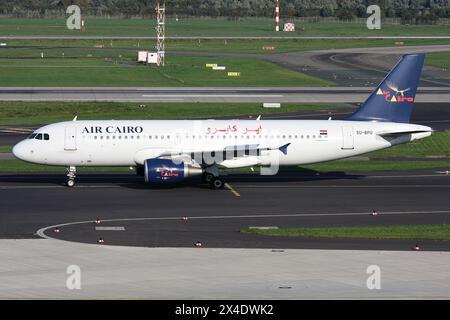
(70, 139)
(347, 138)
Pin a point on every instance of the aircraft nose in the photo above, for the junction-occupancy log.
(20, 150)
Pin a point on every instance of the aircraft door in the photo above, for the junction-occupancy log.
(347, 138)
(70, 139)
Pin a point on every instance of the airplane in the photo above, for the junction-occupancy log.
(168, 151)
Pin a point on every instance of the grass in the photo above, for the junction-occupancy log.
(37, 113)
(209, 27)
(24, 67)
(436, 145)
(5, 149)
(17, 166)
(376, 165)
(439, 59)
(407, 232)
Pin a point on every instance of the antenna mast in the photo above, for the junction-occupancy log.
(161, 33)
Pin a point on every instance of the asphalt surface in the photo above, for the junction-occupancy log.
(291, 199)
(281, 36)
(283, 95)
(356, 67)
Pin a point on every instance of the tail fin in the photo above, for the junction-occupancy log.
(393, 99)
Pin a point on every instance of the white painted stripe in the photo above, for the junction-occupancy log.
(110, 228)
(41, 232)
(215, 96)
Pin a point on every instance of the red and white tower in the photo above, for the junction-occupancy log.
(277, 16)
(161, 33)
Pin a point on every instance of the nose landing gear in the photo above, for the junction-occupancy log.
(71, 175)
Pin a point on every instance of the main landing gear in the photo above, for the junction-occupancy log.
(71, 174)
(215, 182)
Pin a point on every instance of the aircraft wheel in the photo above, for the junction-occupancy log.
(217, 183)
(70, 183)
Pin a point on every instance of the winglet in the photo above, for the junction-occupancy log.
(259, 118)
(284, 148)
(75, 118)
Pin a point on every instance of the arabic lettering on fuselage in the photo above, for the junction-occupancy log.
(233, 129)
(113, 129)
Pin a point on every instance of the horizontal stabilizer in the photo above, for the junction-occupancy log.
(398, 133)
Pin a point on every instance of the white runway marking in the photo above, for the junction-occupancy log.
(110, 228)
(41, 232)
(213, 95)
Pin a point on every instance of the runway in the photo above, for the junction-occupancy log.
(153, 217)
(282, 36)
(283, 95)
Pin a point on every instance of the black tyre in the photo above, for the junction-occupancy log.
(217, 183)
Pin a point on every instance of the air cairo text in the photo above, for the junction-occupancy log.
(113, 129)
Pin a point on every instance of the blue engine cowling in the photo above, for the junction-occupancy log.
(164, 171)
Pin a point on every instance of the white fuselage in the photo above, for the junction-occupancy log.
(130, 143)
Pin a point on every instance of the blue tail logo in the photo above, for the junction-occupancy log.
(393, 99)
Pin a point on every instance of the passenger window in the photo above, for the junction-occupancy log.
(46, 136)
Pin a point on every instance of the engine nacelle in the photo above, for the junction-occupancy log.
(163, 171)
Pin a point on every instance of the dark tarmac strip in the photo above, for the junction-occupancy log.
(154, 216)
(261, 95)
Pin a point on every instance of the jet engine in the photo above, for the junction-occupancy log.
(164, 171)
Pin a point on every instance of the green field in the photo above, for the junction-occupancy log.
(407, 232)
(376, 165)
(17, 166)
(5, 149)
(438, 145)
(86, 66)
(37, 113)
(209, 27)
(105, 68)
(439, 59)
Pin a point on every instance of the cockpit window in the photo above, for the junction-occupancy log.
(39, 136)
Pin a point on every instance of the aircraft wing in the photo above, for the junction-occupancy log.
(207, 156)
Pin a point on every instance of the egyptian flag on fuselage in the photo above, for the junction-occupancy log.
(323, 133)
